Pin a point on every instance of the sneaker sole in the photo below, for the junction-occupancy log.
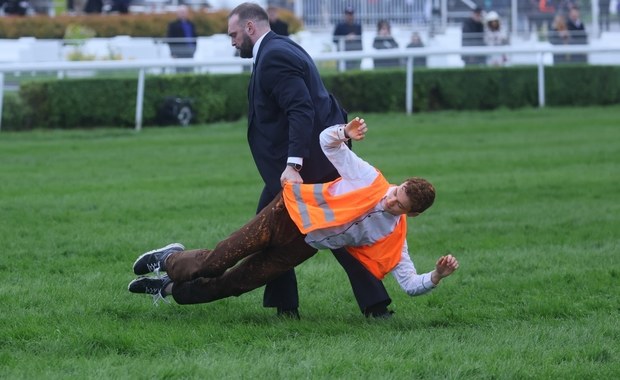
(180, 247)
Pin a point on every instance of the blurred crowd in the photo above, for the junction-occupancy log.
(557, 21)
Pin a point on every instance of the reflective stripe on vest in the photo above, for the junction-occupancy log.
(317, 193)
(312, 207)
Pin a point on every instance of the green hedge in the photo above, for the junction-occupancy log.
(79, 103)
(111, 25)
(477, 88)
(83, 103)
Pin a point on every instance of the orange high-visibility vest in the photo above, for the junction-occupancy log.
(312, 207)
(383, 255)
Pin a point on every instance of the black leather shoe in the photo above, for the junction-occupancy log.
(386, 314)
(379, 311)
(288, 313)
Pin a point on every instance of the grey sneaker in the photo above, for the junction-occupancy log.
(153, 261)
(152, 286)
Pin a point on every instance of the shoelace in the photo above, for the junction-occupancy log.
(158, 297)
(152, 291)
(154, 267)
(156, 293)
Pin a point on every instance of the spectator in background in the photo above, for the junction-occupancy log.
(181, 36)
(546, 6)
(416, 42)
(348, 36)
(603, 14)
(495, 36)
(277, 26)
(15, 7)
(564, 6)
(577, 33)
(546, 9)
(473, 35)
(559, 35)
(93, 6)
(384, 40)
(120, 6)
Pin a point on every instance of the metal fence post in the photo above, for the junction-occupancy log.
(1, 96)
(140, 100)
(409, 90)
(541, 80)
(341, 63)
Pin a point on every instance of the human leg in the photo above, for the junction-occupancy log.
(272, 226)
(370, 293)
(281, 291)
(253, 272)
(258, 252)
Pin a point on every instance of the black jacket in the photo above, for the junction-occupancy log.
(288, 108)
(178, 48)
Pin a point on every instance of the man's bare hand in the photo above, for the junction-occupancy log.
(356, 129)
(445, 266)
(290, 175)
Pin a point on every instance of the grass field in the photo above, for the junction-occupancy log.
(528, 200)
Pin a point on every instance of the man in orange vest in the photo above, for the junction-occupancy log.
(359, 211)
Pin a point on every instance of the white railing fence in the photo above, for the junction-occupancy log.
(143, 65)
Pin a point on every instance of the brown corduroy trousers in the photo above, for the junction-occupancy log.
(255, 254)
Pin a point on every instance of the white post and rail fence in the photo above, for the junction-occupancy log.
(143, 65)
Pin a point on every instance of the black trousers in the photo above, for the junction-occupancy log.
(281, 292)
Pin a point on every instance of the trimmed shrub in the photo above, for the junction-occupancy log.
(79, 103)
(16, 114)
(111, 25)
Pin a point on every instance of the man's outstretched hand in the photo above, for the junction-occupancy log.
(445, 266)
(356, 129)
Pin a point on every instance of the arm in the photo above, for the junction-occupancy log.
(283, 81)
(349, 165)
(416, 284)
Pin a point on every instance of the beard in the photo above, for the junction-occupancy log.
(245, 50)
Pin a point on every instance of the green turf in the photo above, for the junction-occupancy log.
(528, 200)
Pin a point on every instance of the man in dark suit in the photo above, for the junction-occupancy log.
(577, 33)
(182, 35)
(473, 35)
(288, 108)
(348, 36)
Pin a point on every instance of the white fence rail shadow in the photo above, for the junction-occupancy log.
(542, 53)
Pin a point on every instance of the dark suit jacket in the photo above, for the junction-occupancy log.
(342, 30)
(288, 108)
(279, 27)
(180, 49)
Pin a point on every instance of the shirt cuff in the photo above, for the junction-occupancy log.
(427, 283)
(295, 160)
(340, 132)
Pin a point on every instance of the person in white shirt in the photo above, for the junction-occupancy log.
(360, 211)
